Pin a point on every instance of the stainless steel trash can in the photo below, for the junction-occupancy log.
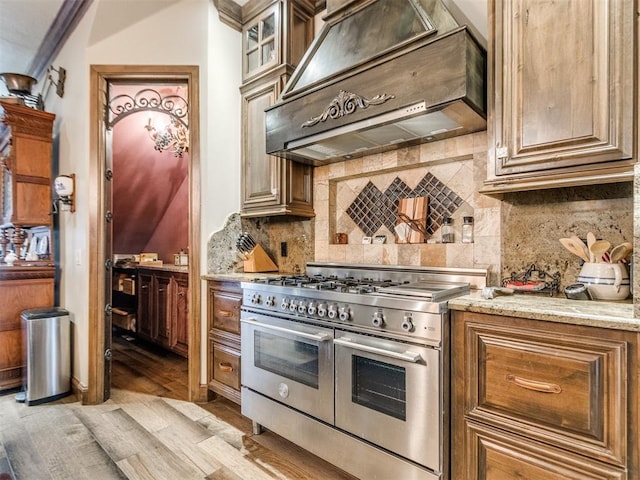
(47, 351)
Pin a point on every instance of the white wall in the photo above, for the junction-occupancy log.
(145, 32)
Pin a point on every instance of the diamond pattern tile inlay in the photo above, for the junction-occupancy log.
(372, 208)
(394, 192)
(366, 209)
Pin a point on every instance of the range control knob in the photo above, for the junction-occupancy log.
(293, 306)
(322, 309)
(284, 305)
(332, 311)
(311, 308)
(378, 319)
(270, 301)
(256, 298)
(344, 314)
(302, 307)
(407, 324)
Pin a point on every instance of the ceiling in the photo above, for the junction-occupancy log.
(32, 30)
(23, 26)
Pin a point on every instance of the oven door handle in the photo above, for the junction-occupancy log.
(406, 356)
(319, 337)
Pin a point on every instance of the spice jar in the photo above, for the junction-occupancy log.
(447, 230)
(467, 230)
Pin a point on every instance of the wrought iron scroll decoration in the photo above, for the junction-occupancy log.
(551, 281)
(346, 103)
(146, 100)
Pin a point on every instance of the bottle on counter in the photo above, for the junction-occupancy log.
(448, 235)
(467, 230)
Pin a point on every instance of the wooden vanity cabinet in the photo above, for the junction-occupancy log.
(224, 300)
(536, 399)
(561, 89)
(275, 36)
(25, 163)
(163, 314)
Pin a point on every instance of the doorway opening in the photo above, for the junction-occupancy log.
(145, 312)
(148, 155)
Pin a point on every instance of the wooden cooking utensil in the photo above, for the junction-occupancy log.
(598, 248)
(570, 245)
(621, 252)
(580, 244)
(591, 239)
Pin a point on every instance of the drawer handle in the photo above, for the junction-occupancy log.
(225, 367)
(226, 313)
(541, 387)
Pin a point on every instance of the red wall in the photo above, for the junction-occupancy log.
(150, 190)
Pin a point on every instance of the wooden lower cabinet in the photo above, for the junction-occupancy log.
(497, 455)
(179, 337)
(21, 288)
(542, 400)
(163, 311)
(224, 300)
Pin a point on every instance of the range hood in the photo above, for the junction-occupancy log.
(381, 74)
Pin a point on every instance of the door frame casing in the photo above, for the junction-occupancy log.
(100, 76)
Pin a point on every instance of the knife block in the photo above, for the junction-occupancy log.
(259, 261)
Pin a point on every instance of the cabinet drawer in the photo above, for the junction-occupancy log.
(226, 311)
(501, 455)
(226, 366)
(561, 388)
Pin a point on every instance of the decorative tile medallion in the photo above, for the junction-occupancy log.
(372, 208)
(366, 210)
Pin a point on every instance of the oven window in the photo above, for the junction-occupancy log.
(379, 386)
(293, 359)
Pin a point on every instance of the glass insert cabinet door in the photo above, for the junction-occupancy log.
(261, 42)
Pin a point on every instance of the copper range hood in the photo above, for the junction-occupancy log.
(381, 74)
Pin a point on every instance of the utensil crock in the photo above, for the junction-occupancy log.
(605, 281)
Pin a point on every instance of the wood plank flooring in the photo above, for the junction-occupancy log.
(150, 434)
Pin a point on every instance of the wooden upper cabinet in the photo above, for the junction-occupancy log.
(25, 160)
(271, 185)
(561, 86)
(275, 38)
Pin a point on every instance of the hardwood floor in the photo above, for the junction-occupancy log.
(149, 434)
(142, 367)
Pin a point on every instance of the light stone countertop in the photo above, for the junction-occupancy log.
(167, 267)
(238, 276)
(614, 315)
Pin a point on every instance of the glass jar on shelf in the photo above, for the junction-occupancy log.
(447, 232)
(467, 230)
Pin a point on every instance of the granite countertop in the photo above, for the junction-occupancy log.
(614, 315)
(239, 276)
(167, 267)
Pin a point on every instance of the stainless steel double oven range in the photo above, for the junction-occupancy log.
(351, 362)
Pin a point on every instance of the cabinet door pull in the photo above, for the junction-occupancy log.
(226, 313)
(542, 387)
(225, 367)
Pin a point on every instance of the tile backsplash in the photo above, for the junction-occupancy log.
(359, 197)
